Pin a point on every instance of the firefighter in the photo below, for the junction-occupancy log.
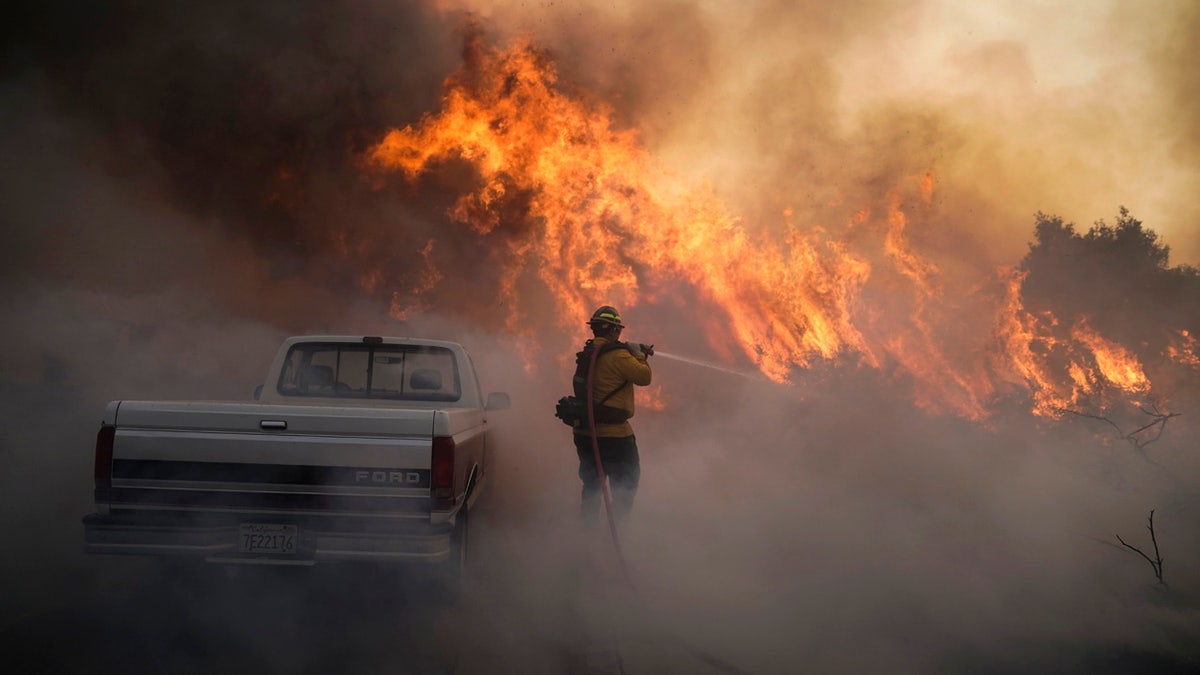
(619, 366)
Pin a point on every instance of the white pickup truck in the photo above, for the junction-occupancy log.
(355, 449)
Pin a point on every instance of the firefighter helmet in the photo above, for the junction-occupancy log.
(606, 316)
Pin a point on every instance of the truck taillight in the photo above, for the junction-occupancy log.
(442, 472)
(104, 456)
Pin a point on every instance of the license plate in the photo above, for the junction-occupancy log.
(267, 538)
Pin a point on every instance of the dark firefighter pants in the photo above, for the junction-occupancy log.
(620, 459)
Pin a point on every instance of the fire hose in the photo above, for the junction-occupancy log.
(604, 490)
(710, 660)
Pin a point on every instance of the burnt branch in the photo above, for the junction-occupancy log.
(1159, 420)
(1138, 439)
(1093, 417)
(1156, 562)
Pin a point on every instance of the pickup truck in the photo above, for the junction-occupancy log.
(355, 449)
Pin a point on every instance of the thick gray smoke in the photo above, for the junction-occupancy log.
(181, 191)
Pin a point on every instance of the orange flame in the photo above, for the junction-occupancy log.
(1025, 343)
(584, 209)
(603, 208)
(652, 398)
(1182, 349)
(1093, 363)
(1115, 364)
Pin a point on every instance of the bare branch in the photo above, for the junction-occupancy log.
(1134, 438)
(1154, 540)
(1137, 551)
(1156, 562)
(1160, 421)
(1106, 543)
(1094, 417)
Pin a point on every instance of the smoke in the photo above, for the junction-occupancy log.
(855, 537)
(1065, 109)
(183, 189)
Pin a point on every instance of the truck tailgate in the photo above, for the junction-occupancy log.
(271, 459)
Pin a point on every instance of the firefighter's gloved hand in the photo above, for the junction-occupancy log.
(640, 350)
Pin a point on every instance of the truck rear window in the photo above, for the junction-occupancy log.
(403, 372)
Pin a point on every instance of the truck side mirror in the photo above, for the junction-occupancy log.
(257, 392)
(498, 400)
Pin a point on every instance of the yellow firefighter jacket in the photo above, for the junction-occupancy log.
(617, 368)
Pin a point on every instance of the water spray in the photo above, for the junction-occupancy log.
(706, 364)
